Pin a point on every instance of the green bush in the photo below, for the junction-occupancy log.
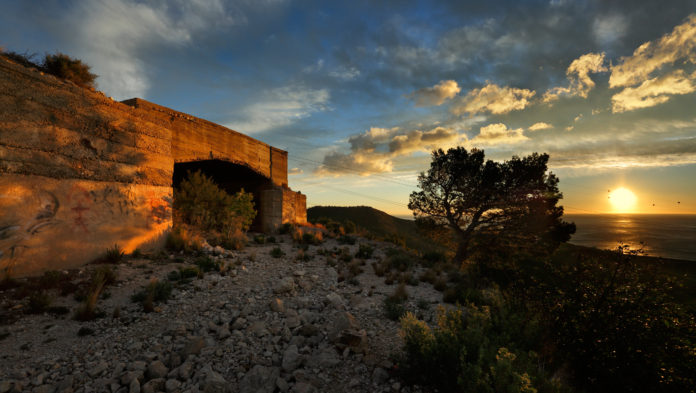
(613, 319)
(464, 353)
(207, 264)
(400, 260)
(198, 201)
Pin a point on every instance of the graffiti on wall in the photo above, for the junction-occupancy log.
(78, 211)
(16, 234)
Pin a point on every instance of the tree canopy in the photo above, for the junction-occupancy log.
(511, 203)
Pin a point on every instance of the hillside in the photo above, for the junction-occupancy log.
(376, 222)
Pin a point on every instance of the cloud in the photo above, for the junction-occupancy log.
(113, 35)
(437, 94)
(680, 44)
(608, 29)
(578, 73)
(295, 171)
(280, 107)
(494, 99)
(439, 137)
(370, 139)
(374, 150)
(345, 73)
(498, 134)
(362, 163)
(539, 126)
(653, 91)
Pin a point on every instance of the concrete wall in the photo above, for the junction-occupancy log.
(195, 139)
(80, 172)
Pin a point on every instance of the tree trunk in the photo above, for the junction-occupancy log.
(462, 250)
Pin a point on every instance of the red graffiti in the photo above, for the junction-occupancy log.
(79, 219)
(80, 199)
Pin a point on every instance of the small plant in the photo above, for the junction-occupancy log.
(85, 331)
(394, 303)
(155, 292)
(183, 239)
(39, 302)
(51, 279)
(285, 228)
(355, 268)
(345, 239)
(345, 255)
(378, 268)
(184, 274)
(393, 309)
(400, 260)
(113, 255)
(364, 251)
(303, 256)
(101, 277)
(423, 304)
(271, 239)
(137, 253)
(432, 258)
(276, 252)
(207, 264)
(260, 239)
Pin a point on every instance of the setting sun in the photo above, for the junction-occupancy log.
(622, 200)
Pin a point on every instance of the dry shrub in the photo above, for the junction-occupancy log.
(99, 280)
(65, 67)
(184, 238)
(307, 235)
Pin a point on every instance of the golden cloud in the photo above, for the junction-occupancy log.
(680, 44)
(539, 126)
(498, 134)
(494, 99)
(578, 74)
(437, 94)
(653, 91)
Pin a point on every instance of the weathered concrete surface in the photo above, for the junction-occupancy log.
(51, 223)
(80, 172)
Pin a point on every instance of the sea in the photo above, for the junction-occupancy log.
(666, 236)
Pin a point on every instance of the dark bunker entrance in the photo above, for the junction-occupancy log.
(230, 177)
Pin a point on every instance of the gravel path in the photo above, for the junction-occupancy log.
(264, 325)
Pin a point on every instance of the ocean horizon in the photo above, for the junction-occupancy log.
(662, 235)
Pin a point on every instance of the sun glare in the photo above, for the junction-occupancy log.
(622, 200)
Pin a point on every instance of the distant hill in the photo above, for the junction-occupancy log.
(376, 222)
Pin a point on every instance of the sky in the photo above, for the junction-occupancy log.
(360, 92)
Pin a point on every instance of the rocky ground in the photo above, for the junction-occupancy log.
(264, 324)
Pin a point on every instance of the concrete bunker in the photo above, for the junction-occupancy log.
(232, 178)
(80, 172)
